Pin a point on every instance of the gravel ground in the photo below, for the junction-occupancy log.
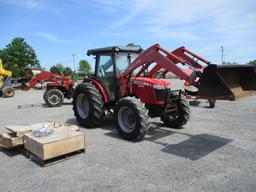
(214, 152)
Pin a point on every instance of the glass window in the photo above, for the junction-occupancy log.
(105, 67)
(123, 60)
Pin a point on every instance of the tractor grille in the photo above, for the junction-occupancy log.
(160, 94)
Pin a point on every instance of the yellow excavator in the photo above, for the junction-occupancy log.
(6, 89)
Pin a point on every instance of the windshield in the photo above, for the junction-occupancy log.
(123, 60)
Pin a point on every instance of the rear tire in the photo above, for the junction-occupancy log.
(53, 97)
(131, 118)
(8, 92)
(180, 117)
(88, 105)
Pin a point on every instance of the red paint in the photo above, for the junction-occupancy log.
(143, 87)
(55, 80)
(100, 87)
(151, 81)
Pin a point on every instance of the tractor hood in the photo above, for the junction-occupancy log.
(149, 81)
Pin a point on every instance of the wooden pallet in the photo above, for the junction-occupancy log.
(53, 161)
(63, 143)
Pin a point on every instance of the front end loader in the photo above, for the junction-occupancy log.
(58, 87)
(6, 89)
(124, 83)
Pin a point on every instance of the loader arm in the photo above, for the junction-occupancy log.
(44, 76)
(191, 58)
(212, 81)
(162, 58)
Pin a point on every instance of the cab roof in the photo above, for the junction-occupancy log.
(111, 49)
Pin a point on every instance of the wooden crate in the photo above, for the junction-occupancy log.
(9, 140)
(21, 130)
(60, 142)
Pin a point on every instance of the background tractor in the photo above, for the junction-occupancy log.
(58, 87)
(6, 89)
(124, 82)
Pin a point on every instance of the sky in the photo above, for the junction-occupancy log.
(56, 29)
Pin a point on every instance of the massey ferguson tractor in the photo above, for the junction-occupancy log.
(58, 87)
(124, 83)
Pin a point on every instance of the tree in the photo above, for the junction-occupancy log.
(19, 55)
(84, 67)
(60, 67)
(230, 63)
(67, 71)
(55, 70)
(252, 63)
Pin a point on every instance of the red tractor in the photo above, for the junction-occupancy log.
(57, 88)
(124, 82)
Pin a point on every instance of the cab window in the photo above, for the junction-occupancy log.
(123, 60)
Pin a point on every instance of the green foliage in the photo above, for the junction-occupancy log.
(74, 76)
(58, 69)
(18, 55)
(235, 63)
(55, 70)
(252, 63)
(84, 67)
(230, 63)
(67, 71)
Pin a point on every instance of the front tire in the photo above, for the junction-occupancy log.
(180, 117)
(8, 92)
(53, 97)
(131, 118)
(88, 105)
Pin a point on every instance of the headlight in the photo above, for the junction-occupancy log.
(159, 86)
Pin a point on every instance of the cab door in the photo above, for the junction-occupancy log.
(105, 74)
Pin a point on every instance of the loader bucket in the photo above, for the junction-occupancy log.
(212, 86)
(243, 76)
(226, 82)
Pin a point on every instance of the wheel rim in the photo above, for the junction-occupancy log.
(54, 99)
(172, 116)
(126, 119)
(82, 105)
(9, 93)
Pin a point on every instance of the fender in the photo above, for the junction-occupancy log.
(99, 86)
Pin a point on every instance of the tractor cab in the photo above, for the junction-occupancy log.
(110, 62)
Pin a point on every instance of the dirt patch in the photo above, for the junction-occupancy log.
(241, 94)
